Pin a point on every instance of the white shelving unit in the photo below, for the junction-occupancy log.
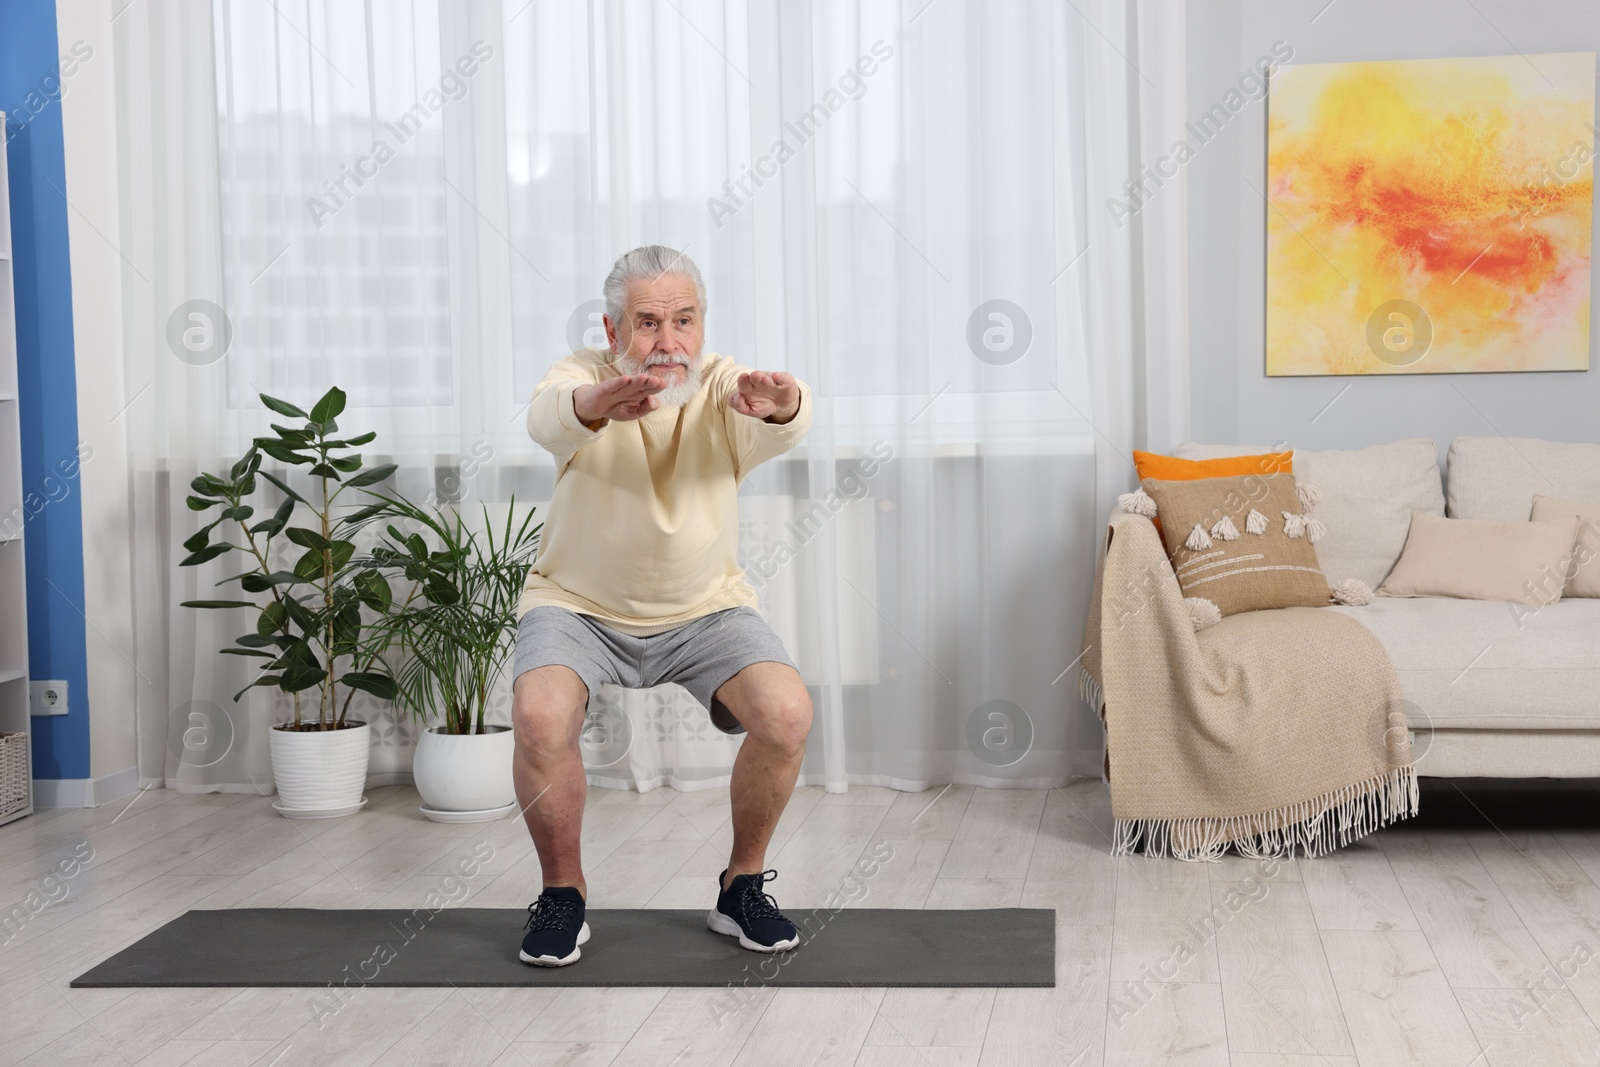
(13, 582)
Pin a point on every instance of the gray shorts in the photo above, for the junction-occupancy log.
(699, 655)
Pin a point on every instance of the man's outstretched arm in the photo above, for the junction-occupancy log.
(569, 410)
(772, 396)
(769, 413)
(620, 399)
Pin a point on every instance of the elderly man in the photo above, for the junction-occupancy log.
(636, 583)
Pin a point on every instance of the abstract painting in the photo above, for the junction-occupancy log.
(1430, 215)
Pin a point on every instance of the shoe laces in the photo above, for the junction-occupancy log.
(549, 913)
(758, 904)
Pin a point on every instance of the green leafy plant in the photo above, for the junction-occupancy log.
(456, 639)
(309, 631)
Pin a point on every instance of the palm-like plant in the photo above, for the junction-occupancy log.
(455, 639)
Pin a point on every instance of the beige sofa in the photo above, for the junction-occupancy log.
(1493, 689)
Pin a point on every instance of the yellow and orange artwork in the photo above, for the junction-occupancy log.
(1430, 215)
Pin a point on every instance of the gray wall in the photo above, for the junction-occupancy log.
(1232, 399)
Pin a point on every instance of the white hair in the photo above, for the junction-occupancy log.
(648, 263)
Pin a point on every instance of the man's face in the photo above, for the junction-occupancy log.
(661, 332)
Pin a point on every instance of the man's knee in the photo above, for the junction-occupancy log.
(781, 716)
(548, 707)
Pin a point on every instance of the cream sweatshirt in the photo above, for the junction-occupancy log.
(642, 531)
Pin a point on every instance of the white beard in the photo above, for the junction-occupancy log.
(673, 396)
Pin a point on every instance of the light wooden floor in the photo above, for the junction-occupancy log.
(1414, 947)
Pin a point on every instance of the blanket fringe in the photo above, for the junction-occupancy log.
(1089, 690)
(1317, 826)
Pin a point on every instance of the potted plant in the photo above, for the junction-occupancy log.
(454, 642)
(309, 631)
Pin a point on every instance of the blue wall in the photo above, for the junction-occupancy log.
(30, 93)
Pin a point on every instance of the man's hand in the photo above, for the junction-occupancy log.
(773, 396)
(623, 398)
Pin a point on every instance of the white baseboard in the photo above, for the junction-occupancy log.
(85, 792)
(373, 780)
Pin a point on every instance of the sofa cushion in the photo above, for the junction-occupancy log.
(1522, 561)
(1583, 568)
(1221, 556)
(1179, 469)
(1481, 664)
(1496, 478)
(1368, 497)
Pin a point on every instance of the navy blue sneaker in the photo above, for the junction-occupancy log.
(745, 912)
(555, 928)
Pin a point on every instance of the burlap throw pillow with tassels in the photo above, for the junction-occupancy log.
(1243, 543)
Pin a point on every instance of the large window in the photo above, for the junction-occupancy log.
(420, 201)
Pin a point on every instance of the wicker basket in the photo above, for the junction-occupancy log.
(13, 773)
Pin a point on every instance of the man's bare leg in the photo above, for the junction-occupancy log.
(548, 706)
(771, 702)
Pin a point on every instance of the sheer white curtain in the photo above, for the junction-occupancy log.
(1138, 224)
(902, 204)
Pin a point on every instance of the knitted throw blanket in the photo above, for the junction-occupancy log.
(1268, 731)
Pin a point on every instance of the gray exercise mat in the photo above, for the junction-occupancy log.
(640, 947)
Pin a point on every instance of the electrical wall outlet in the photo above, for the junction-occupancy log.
(47, 698)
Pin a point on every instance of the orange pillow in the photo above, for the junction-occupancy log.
(1173, 469)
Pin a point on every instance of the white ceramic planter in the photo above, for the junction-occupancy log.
(468, 773)
(320, 773)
